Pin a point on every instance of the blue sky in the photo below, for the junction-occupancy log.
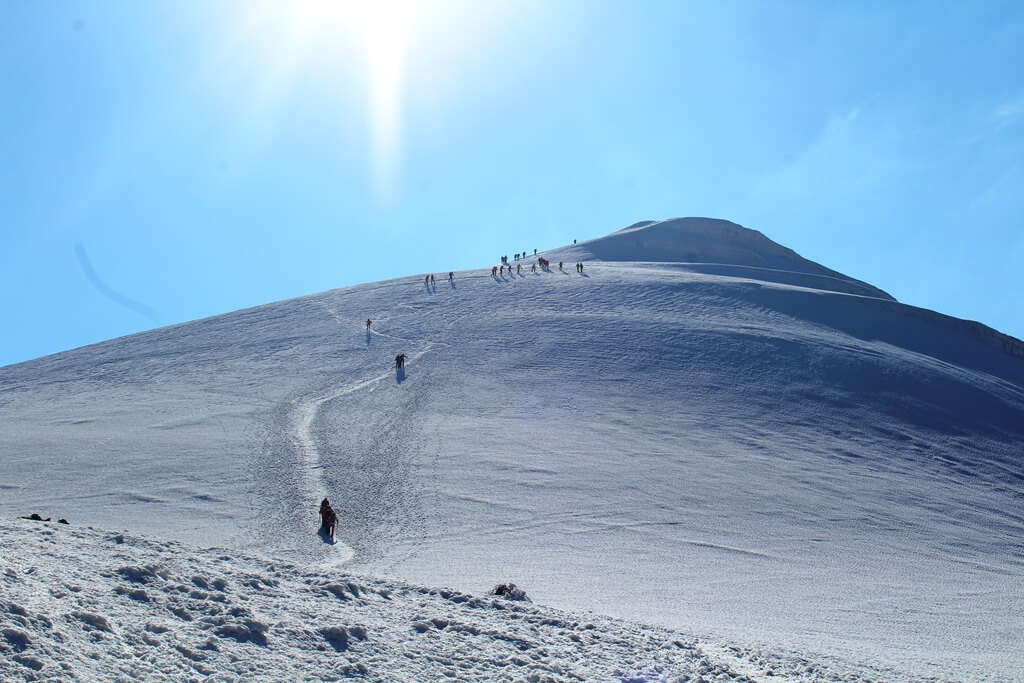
(168, 161)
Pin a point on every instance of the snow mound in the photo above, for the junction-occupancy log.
(714, 242)
(71, 609)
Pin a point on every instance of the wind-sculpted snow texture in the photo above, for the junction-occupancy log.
(702, 431)
(86, 605)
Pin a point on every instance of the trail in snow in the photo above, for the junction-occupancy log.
(373, 442)
(303, 416)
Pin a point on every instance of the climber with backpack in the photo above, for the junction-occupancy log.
(328, 519)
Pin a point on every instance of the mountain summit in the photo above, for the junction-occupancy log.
(712, 242)
(702, 430)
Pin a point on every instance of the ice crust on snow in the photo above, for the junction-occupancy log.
(702, 432)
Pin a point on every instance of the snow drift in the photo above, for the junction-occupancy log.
(82, 604)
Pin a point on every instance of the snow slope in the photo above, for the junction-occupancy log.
(702, 431)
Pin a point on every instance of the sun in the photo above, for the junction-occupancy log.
(291, 38)
(384, 27)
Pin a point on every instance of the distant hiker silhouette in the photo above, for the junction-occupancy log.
(432, 279)
(451, 276)
(400, 361)
(367, 324)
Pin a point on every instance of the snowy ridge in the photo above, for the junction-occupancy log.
(798, 464)
(718, 245)
(85, 605)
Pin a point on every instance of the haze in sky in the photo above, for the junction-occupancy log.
(166, 161)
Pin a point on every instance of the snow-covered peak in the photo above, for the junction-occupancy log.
(698, 240)
(715, 245)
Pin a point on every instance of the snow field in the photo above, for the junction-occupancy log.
(752, 450)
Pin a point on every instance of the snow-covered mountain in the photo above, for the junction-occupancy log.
(702, 431)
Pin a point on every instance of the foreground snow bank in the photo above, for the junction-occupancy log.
(84, 604)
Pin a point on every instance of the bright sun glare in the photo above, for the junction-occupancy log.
(384, 27)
